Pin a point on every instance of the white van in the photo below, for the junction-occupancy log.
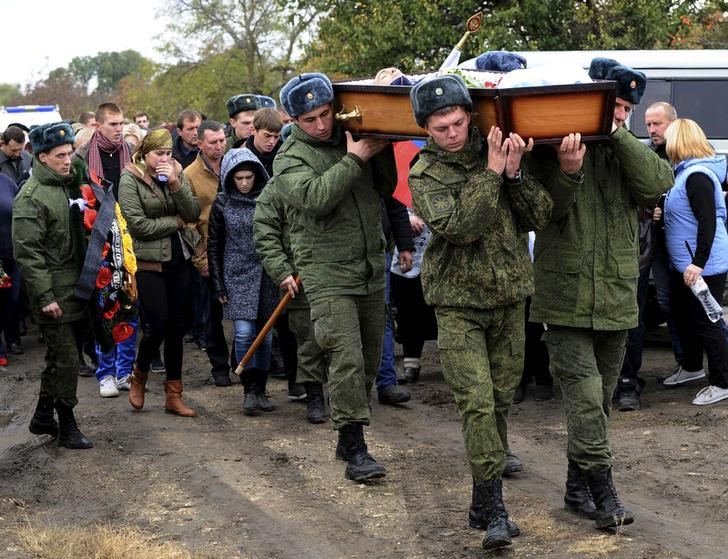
(695, 82)
(29, 115)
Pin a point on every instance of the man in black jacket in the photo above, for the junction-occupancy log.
(15, 162)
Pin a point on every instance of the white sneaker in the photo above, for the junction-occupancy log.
(710, 395)
(681, 376)
(107, 387)
(124, 383)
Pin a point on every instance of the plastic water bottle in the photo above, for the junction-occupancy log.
(711, 306)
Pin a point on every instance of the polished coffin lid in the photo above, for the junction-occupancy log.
(544, 113)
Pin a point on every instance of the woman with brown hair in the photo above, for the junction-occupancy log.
(157, 202)
(697, 241)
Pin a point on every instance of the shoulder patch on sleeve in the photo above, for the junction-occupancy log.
(439, 202)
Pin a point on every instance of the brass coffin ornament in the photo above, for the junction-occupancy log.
(355, 114)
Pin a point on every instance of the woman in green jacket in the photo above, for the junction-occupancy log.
(157, 202)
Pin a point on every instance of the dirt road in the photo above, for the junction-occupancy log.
(229, 486)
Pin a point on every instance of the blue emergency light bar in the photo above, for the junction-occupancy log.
(31, 108)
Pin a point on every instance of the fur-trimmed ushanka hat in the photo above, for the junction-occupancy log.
(243, 102)
(433, 94)
(45, 137)
(306, 92)
(267, 102)
(630, 83)
(500, 61)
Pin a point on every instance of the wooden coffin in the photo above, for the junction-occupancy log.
(544, 113)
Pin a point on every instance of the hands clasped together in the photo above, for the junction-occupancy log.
(504, 155)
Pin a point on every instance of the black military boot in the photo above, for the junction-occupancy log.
(43, 422)
(68, 433)
(262, 382)
(628, 394)
(361, 466)
(494, 515)
(477, 518)
(577, 497)
(610, 512)
(315, 409)
(513, 463)
(249, 379)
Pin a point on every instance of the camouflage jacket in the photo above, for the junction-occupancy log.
(478, 254)
(271, 229)
(50, 241)
(337, 239)
(586, 259)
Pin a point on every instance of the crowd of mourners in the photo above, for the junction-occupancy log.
(124, 242)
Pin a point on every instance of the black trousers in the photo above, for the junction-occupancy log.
(166, 312)
(415, 319)
(536, 357)
(697, 332)
(215, 342)
(636, 336)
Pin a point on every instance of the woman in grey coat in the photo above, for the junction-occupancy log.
(246, 292)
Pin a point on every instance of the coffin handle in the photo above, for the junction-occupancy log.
(343, 116)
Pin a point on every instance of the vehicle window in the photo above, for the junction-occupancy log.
(703, 101)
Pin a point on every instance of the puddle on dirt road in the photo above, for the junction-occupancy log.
(5, 418)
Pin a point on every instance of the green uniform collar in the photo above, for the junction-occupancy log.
(468, 157)
(47, 176)
(336, 136)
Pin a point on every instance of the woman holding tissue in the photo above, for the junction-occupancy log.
(157, 202)
(697, 241)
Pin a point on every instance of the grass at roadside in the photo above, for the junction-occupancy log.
(95, 542)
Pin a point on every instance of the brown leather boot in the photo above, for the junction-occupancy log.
(174, 403)
(136, 390)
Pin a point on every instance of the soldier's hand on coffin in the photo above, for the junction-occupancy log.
(289, 284)
(571, 154)
(515, 152)
(497, 150)
(365, 148)
(53, 310)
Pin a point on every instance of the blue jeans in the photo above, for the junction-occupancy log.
(245, 333)
(387, 374)
(119, 362)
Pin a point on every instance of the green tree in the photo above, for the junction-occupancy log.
(60, 88)
(165, 92)
(9, 93)
(108, 68)
(260, 37)
(359, 38)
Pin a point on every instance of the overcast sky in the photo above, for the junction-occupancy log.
(39, 35)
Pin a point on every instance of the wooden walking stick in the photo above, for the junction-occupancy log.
(267, 328)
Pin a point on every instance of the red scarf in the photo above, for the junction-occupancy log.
(99, 142)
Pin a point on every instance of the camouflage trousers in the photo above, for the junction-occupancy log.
(350, 329)
(481, 352)
(59, 378)
(586, 364)
(312, 361)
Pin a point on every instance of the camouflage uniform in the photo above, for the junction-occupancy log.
(49, 248)
(586, 268)
(338, 247)
(271, 229)
(477, 274)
